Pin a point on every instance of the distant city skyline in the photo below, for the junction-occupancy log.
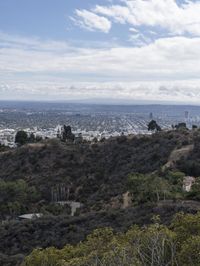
(104, 51)
(45, 120)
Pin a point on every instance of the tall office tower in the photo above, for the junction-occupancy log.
(186, 115)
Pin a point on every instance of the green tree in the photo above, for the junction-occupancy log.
(152, 245)
(181, 126)
(15, 196)
(66, 134)
(153, 126)
(21, 137)
(175, 180)
(194, 127)
(189, 254)
(144, 188)
(32, 138)
(186, 226)
(157, 246)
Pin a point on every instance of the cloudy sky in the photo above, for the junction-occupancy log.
(105, 50)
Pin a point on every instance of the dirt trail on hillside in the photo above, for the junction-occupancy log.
(176, 155)
(126, 200)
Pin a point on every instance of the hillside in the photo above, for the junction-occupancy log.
(89, 171)
(101, 177)
(19, 238)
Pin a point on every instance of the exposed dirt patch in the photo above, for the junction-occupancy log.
(177, 154)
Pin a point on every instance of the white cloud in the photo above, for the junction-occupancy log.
(167, 14)
(117, 12)
(31, 43)
(92, 21)
(164, 58)
(139, 39)
(176, 91)
(164, 70)
(133, 30)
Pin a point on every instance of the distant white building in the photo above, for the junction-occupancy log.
(188, 181)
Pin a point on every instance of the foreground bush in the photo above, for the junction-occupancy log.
(156, 245)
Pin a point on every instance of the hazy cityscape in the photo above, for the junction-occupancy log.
(100, 121)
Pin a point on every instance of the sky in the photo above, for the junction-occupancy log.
(100, 50)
